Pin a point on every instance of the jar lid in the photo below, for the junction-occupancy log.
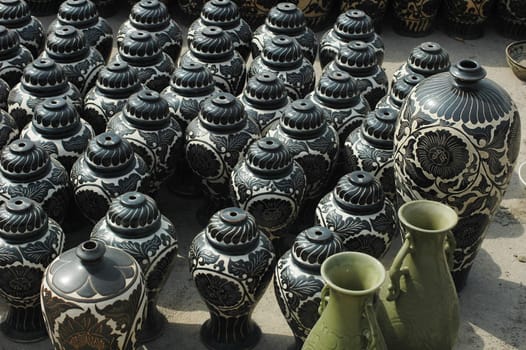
(21, 220)
(14, 13)
(133, 214)
(337, 88)
(285, 18)
(282, 51)
(66, 43)
(402, 87)
(268, 156)
(78, 13)
(313, 245)
(232, 230)
(223, 111)
(118, 78)
(108, 152)
(147, 109)
(356, 57)
(24, 160)
(192, 79)
(44, 76)
(379, 127)
(359, 192)
(265, 89)
(354, 25)
(303, 119)
(428, 58)
(149, 14)
(221, 13)
(56, 117)
(212, 43)
(9, 42)
(140, 46)
(92, 272)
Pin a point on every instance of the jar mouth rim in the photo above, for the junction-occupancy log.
(413, 216)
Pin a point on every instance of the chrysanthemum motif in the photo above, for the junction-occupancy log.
(202, 160)
(86, 332)
(20, 281)
(442, 154)
(218, 291)
(271, 213)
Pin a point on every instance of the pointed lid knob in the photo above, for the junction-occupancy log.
(379, 127)
(23, 160)
(266, 90)
(428, 58)
(359, 192)
(221, 13)
(303, 119)
(118, 79)
(337, 88)
(140, 47)
(402, 87)
(268, 156)
(56, 118)
(233, 230)
(313, 245)
(192, 79)
(149, 14)
(78, 13)
(356, 57)
(285, 18)
(354, 25)
(66, 43)
(9, 43)
(224, 112)
(43, 76)
(14, 13)
(147, 110)
(108, 152)
(282, 51)
(21, 220)
(212, 43)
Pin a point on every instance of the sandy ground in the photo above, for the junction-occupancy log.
(493, 305)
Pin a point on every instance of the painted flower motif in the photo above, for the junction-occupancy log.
(308, 313)
(20, 281)
(85, 332)
(218, 291)
(315, 167)
(92, 204)
(202, 160)
(468, 231)
(442, 154)
(368, 244)
(272, 213)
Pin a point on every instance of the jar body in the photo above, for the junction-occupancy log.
(8, 129)
(31, 35)
(331, 43)
(12, 68)
(412, 18)
(99, 108)
(511, 17)
(466, 19)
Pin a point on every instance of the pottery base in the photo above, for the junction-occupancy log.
(510, 28)
(24, 325)
(461, 278)
(402, 29)
(249, 342)
(466, 31)
(152, 327)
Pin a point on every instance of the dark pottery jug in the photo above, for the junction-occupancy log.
(93, 295)
(399, 91)
(466, 19)
(511, 18)
(282, 56)
(224, 14)
(116, 82)
(414, 18)
(244, 261)
(213, 47)
(8, 129)
(15, 15)
(134, 224)
(286, 19)
(298, 282)
(29, 241)
(68, 47)
(350, 26)
(13, 56)
(42, 79)
(108, 168)
(457, 142)
(373, 8)
(152, 16)
(146, 122)
(27, 170)
(360, 214)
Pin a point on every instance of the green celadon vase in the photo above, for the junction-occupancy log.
(347, 316)
(418, 306)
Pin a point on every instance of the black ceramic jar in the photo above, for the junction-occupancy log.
(399, 91)
(8, 129)
(13, 56)
(375, 9)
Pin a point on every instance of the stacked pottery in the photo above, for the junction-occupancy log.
(231, 263)
(359, 60)
(350, 26)
(68, 47)
(286, 19)
(370, 148)
(42, 79)
(426, 59)
(414, 18)
(511, 18)
(146, 122)
(13, 56)
(27, 170)
(4, 93)
(152, 16)
(107, 169)
(29, 241)
(265, 98)
(8, 129)
(134, 224)
(298, 282)
(373, 8)
(215, 142)
(93, 296)
(270, 185)
(359, 213)
(399, 91)
(282, 55)
(57, 127)
(466, 19)
(457, 141)
(213, 48)
(83, 15)
(116, 82)
(141, 50)
(15, 15)
(224, 14)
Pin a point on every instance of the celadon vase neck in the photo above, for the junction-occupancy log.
(418, 301)
(348, 320)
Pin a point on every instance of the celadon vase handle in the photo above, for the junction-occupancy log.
(374, 336)
(324, 295)
(450, 246)
(397, 271)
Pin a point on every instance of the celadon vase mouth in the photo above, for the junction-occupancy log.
(353, 273)
(427, 216)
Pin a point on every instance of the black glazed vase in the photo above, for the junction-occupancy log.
(153, 17)
(116, 82)
(29, 241)
(93, 295)
(358, 212)
(57, 127)
(213, 48)
(27, 170)
(13, 56)
(231, 262)
(298, 282)
(134, 224)
(286, 19)
(351, 25)
(414, 18)
(457, 142)
(146, 123)
(108, 168)
(42, 79)
(224, 14)
(282, 55)
(68, 47)
(15, 15)
(141, 50)
(511, 18)
(83, 15)
(466, 19)
(375, 9)
(8, 129)
(399, 91)
(265, 97)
